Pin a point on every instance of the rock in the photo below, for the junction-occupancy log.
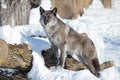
(49, 57)
(18, 76)
(70, 63)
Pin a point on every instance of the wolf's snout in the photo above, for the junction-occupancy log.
(45, 20)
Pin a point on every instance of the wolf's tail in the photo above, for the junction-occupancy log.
(107, 64)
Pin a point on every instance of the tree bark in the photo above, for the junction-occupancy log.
(14, 12)
(70, 9)
(15, 56)
(107, 3)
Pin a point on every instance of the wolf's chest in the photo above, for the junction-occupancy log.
(54, 40)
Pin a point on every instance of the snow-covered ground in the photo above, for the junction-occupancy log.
(101, 25)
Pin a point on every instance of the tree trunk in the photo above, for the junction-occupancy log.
(107, 3)
(15, 56)
(0, 15)
(70, 9)
(35, 3)
(14, 12)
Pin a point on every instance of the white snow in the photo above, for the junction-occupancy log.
(101, 25)
(3, 4)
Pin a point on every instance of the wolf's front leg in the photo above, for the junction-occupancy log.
(62, 56)
(55, 54)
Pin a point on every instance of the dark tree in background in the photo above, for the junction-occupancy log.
(16, 12)
(0, 15)
(35, 3)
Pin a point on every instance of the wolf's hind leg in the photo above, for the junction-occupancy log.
(93, 66)
(88, 63)
(96, 65)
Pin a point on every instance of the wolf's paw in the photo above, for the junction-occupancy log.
(56, 67)
(59, 67)
(53, 67)
(97, 75)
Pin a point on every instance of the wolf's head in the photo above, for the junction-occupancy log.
(48, 16)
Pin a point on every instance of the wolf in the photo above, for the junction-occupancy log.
(69, 41)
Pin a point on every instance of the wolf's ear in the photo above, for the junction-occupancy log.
(41, 10)
(54, 11)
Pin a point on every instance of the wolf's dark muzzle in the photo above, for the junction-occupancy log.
(45, 20)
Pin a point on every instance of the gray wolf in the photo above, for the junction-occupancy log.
(69, 41)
